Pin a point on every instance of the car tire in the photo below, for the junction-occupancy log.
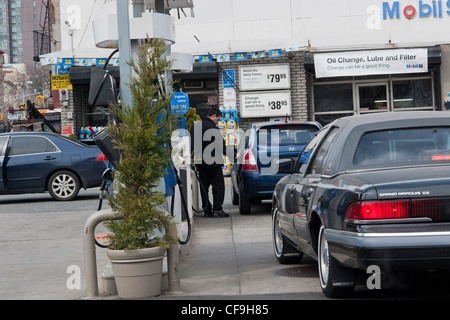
(245, 204)
(335, 280)
(234, 197)
(63, 185)
(284, 252)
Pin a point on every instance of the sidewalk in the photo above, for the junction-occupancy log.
(232, 258)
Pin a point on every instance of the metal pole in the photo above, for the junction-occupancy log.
(173, 251)
(123, 23)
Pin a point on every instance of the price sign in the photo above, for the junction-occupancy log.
(264, 77)
(265, 104)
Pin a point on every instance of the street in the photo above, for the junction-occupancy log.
(41, 242)
(42, 257)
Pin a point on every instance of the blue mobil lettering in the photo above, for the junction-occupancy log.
(414, 66)
(425, 9)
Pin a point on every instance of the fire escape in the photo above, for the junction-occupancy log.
(42, 37)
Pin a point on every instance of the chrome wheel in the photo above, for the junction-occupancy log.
(277, 235)
(324, 259)
(63, 185)
(336, 281)
(284, 251)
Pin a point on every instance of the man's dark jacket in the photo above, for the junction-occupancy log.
(219, 146)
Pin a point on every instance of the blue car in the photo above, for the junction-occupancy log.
(36, 162)
(264, 156)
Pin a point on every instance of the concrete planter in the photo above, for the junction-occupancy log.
(137, 273)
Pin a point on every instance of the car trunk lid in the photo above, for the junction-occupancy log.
(406, 193)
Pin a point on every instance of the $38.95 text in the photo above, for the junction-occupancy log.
(277, 104)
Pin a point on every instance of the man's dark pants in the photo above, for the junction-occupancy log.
(211, 176)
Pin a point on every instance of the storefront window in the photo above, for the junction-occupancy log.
(372, 97)
(333, 97)
(202, 102)
(360, 95)
(202, 95)
(412, 93)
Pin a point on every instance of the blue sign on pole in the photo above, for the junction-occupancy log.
(179, 103)
(228, 75)
(62, 69)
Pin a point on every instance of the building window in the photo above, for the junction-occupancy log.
(412, 93)
(335, 99)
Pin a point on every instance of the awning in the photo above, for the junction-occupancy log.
(80, 53)
(82, 75)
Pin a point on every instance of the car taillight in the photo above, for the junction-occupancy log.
(249, 162)
(397, 209)
(101, 157)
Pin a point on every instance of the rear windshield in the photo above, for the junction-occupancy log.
(403, 147)
(285, 135)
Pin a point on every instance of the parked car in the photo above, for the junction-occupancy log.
(368, 190)
(261, 154)
(36, 162)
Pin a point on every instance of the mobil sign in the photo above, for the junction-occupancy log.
(424, 9)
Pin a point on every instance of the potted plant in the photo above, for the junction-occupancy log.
(142, 135)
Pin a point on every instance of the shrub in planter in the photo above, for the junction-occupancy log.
(142, 136)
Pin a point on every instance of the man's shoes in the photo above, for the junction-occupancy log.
(208, 214)
(220, 214)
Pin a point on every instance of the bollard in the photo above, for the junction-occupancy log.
(90, 260)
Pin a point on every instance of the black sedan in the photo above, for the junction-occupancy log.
(36, 162)
(369, 190)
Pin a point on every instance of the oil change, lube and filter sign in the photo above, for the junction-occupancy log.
(370, 62)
